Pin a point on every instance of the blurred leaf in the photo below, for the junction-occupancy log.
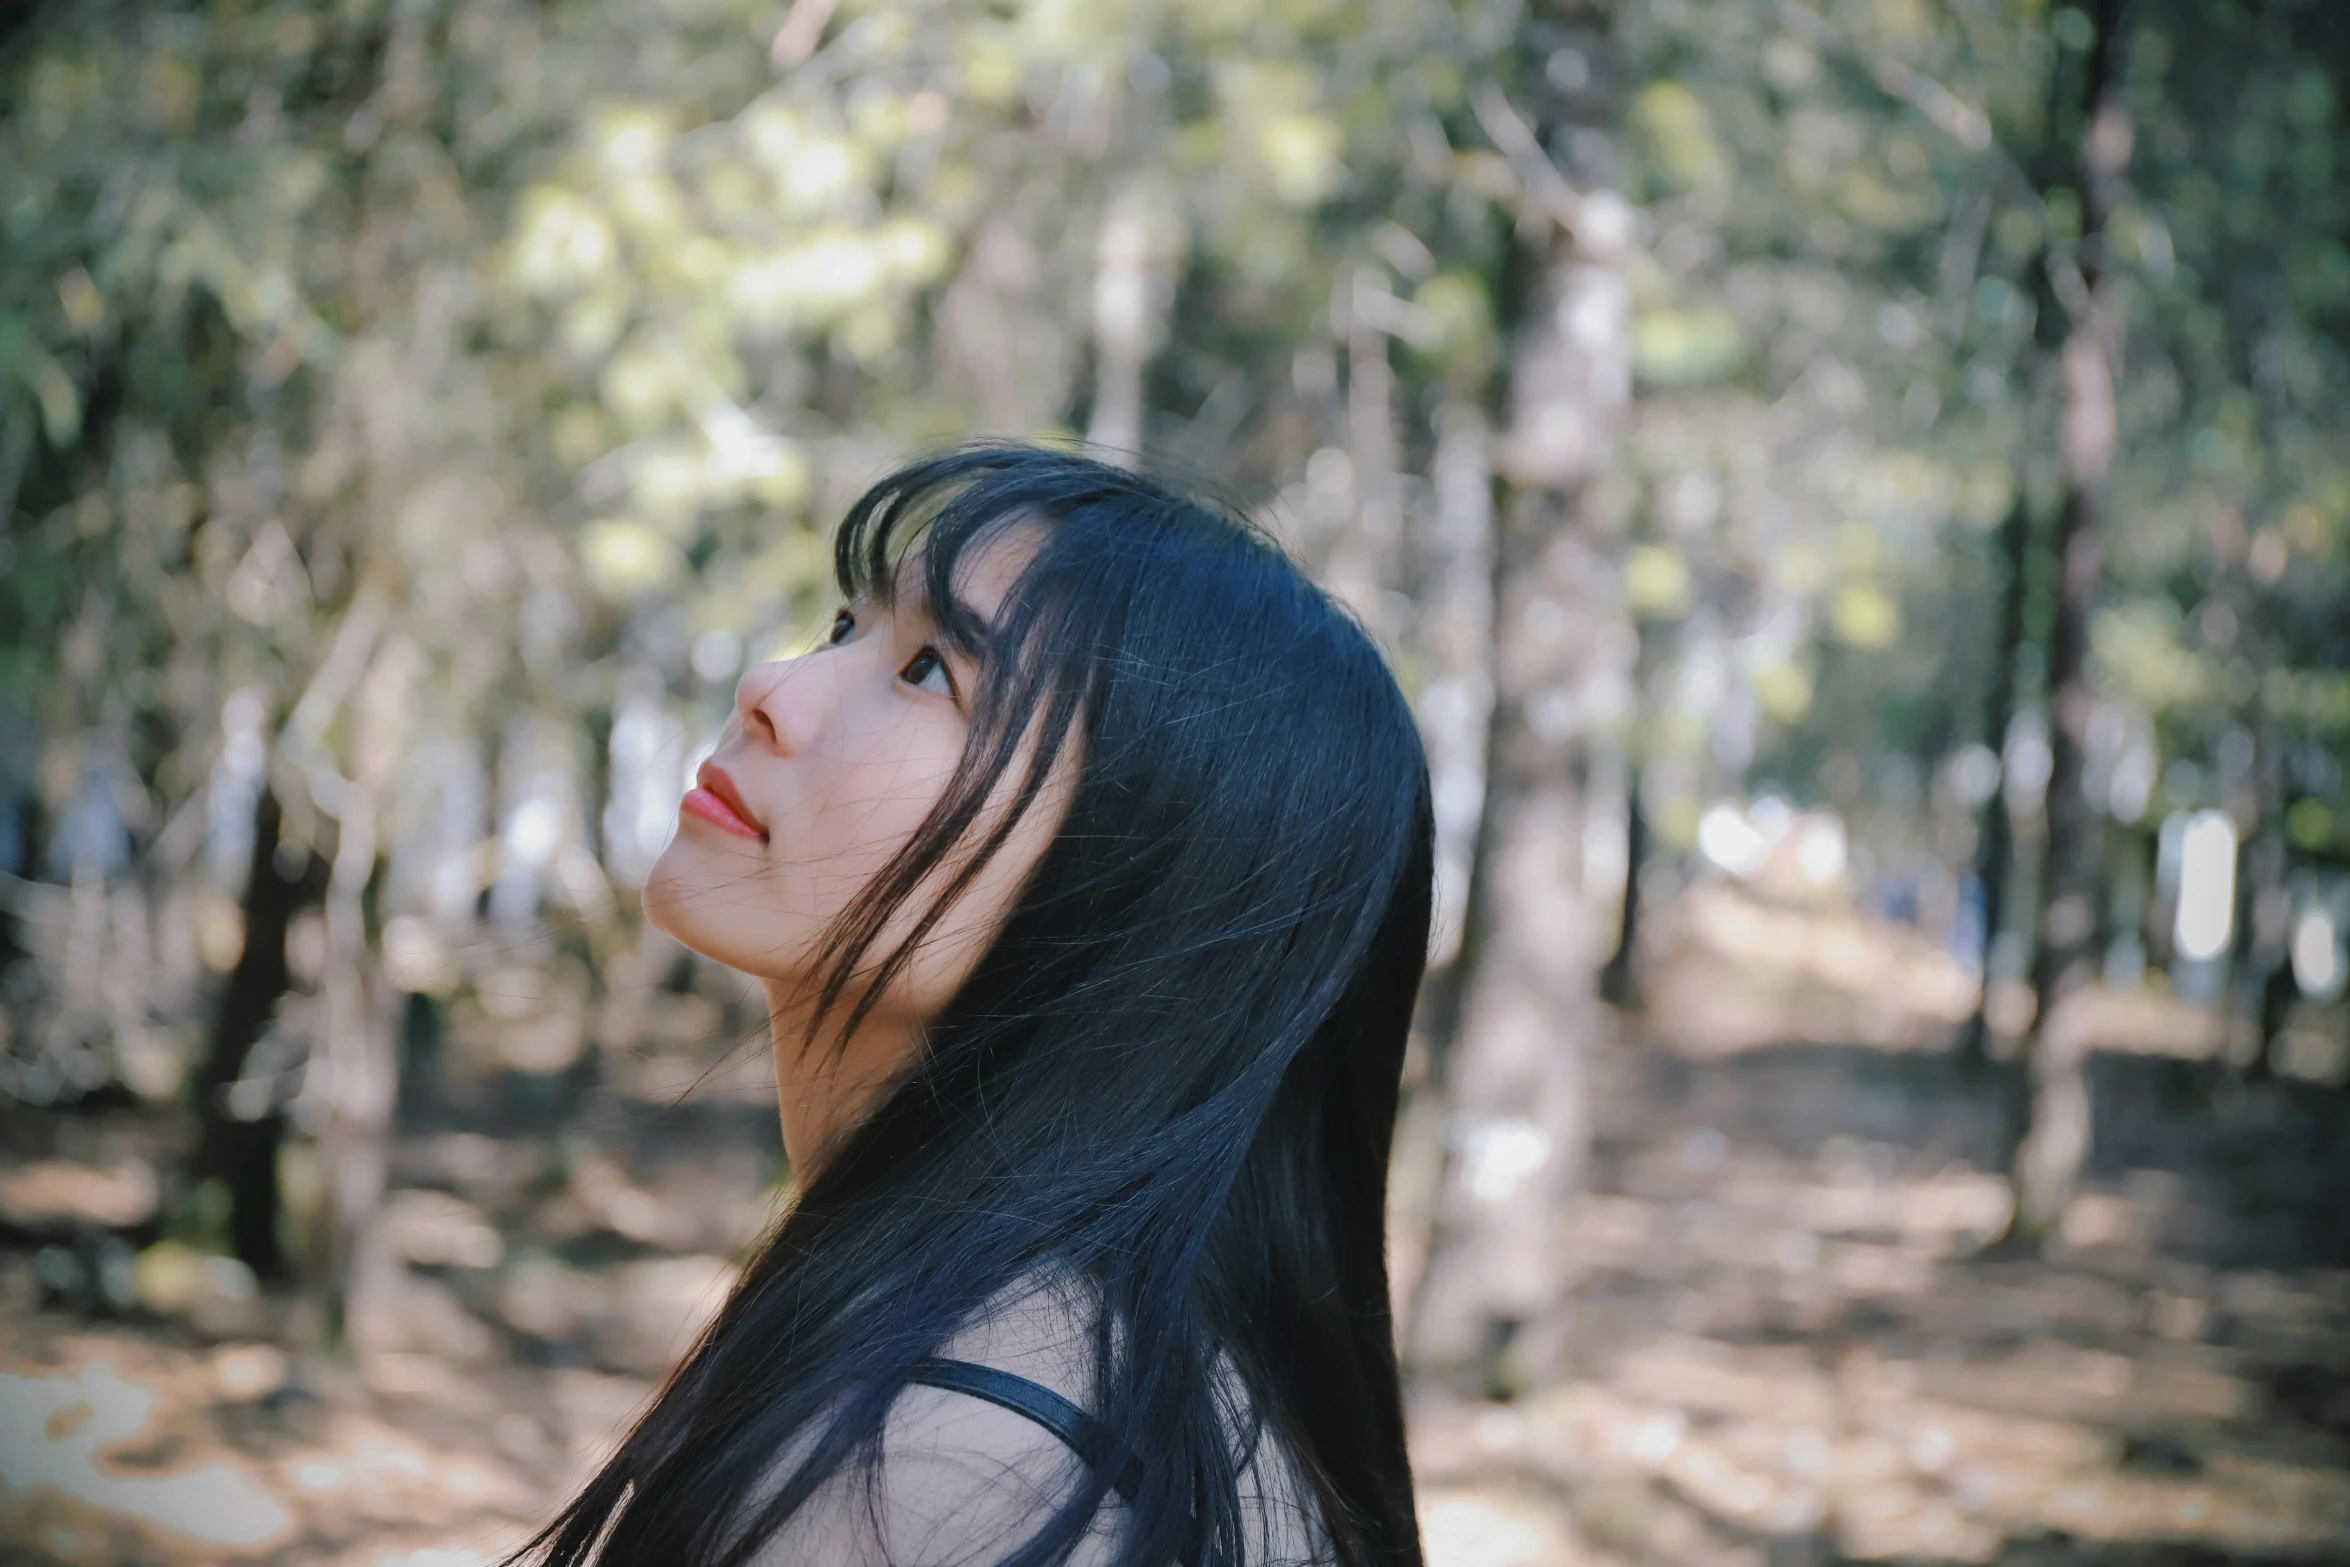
(1784, 691)
(1301, 154)
(61, 404)
(1459, 316)
(626, 560)
(1675, 349)
(1865, 617)
(1656, 582)
(1678, 132)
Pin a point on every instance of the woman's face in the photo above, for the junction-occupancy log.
(829, 764)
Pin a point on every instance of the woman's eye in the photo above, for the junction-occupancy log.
(929, 671)
(843, 623)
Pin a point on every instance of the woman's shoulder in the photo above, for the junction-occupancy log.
(960, 1478)
(1043, 1329)
(964, 1479)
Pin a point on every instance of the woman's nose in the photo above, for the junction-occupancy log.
(784, 704)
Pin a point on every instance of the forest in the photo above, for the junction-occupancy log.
(1857, 492)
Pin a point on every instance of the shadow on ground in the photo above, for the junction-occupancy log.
(1785, 1350)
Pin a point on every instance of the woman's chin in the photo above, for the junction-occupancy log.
(679, 894)
(700, 900)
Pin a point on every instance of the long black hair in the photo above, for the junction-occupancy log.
(1172, 1076)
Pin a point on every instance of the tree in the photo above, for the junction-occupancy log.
(1513, 1070)
(2054, 1141)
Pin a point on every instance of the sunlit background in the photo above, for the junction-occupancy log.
(1859, 494)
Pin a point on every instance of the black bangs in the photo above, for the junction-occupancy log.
(939, 508)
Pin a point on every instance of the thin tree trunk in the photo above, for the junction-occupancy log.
(2261, 991)
(1125, 324)
(353, 1081)
(1363, 568)
(1456, 632)
(240, 1152)
(1995, 850)
(2055, 1120)
(358, 1057)
(361, 1043)
(1619, 981)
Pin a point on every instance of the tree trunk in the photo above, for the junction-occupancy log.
(1995, 851)
(240, 1150)
(1364, 566)
(2260, 993)
(359, 1065)
(1455, 560)
(2055, 1112)
(1619, 981)
(1490, 1311)
(1456, 632)
(1125, 324)
(353, 1081)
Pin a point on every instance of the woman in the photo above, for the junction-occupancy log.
(1086, 866)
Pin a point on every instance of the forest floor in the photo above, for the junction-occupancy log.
(1787, 1350)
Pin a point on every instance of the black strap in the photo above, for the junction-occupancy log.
(1072, 1425)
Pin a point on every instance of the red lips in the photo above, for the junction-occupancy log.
(718, 802)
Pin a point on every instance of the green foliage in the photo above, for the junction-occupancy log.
(543, 341)
(540, 343)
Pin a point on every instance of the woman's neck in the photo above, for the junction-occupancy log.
(824, 1089)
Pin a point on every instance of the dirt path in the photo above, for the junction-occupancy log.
(1784, 1353)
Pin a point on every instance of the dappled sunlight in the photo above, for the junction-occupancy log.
(1786, 1335)
(186, 1455)
(54, 1434)
(1783, 1339)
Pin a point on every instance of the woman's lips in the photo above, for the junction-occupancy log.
(719, 803)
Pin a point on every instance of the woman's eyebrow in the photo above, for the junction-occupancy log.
(967, 626)
(969, 632)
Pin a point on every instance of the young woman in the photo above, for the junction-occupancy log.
(1086, 865)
